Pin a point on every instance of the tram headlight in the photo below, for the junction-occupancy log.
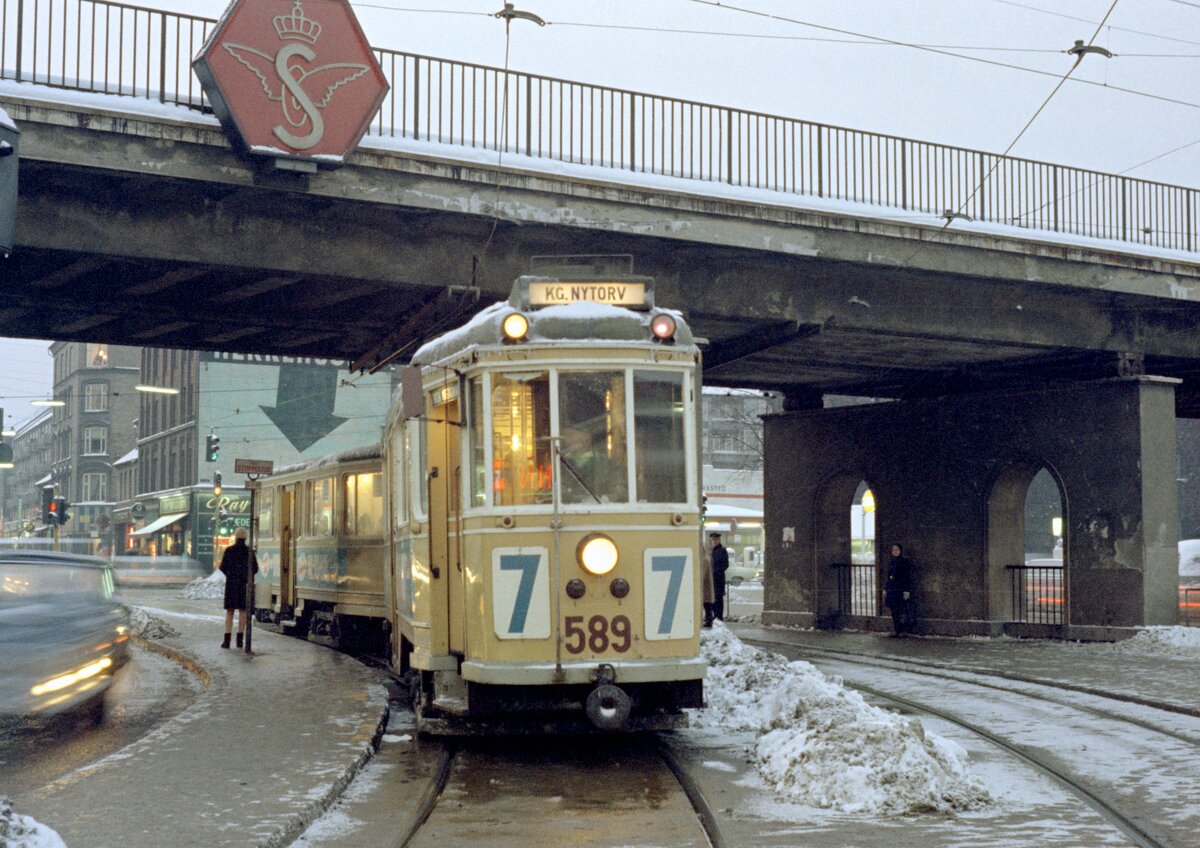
(597, 554)
(514, 326)
(663, 327)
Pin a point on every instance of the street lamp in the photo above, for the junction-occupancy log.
(158, 390)
(868, 505)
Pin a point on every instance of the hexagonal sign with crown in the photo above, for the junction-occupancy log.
(292, 79)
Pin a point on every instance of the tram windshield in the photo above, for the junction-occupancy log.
(597, 431)
(591, 417)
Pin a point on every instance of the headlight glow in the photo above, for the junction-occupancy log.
(515, 326)
(597, 554)
(663, 326)
(56, 683)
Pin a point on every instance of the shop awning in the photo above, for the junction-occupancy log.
(159, 523)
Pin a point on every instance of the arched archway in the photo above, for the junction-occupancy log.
(844, 564)
(1027, 521)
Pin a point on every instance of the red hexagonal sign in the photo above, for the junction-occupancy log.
(292, 78)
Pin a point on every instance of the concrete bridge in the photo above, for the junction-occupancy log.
(817, 260)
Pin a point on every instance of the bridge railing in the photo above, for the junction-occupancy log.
(118, 48)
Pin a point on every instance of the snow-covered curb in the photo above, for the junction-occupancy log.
(1178, 641)
(822, 744)
(18, 831)
(148, 626)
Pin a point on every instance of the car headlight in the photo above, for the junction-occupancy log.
(597, 554)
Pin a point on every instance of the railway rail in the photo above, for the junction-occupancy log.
(1145, 835)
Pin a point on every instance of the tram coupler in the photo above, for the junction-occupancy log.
(608, 706)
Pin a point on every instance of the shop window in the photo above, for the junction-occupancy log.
(364, 504)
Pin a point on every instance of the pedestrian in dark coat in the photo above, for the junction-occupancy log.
(719, 558)
(898, 591)
(235, 565)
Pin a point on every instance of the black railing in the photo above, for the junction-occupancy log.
(117, 48)
(1038, 596)
(858, 592)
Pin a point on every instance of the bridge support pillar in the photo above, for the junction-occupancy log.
(949, 476)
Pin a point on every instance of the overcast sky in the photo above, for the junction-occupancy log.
(736, 58)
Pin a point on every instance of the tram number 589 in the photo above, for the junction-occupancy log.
(600, 634)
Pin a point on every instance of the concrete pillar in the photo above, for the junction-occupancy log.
(950, 477)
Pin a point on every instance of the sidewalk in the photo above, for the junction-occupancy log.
(1117, 670)
(265, 749)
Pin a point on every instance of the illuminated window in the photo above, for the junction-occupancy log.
(591, 408)
(399, 460)
(265, 501)
(97, 355)
(658, 424)
(364, 504)
(521, 456)
(320, 507)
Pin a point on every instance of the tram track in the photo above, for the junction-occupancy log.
(1127, 825)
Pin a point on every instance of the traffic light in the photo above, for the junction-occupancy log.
(217, 483)
(60, 508)
(49, 516)
(212, 447)
(223, 520)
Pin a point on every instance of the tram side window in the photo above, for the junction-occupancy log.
(659, 424)
(320, 507)
(399, 460)
(364, 504)
(521, 439)
(478, 468)
(591, 408)
(266, 509)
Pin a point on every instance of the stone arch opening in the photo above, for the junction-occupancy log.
(1027, 521)
(845, 564)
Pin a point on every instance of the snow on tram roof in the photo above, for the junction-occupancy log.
(349, 455)
(577, 322)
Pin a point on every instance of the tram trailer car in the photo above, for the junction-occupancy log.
(544, 505)
(322, 551)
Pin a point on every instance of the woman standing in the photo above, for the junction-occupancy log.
(898, 591)
(235, 565)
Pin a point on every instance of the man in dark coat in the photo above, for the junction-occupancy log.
(235, 565)
(719, 558)
(897, 592)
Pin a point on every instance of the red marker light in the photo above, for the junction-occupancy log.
(663, 326)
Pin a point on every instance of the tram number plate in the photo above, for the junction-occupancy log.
(599, 635)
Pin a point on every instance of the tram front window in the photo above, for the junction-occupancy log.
(659, 424)
(521, 439)
(592, 423)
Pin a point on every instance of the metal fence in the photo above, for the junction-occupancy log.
(117, 48)
(858, 592)
(1037, 593)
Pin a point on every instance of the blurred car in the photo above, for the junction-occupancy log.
(738, 574)
(62, 635)
(143, 571)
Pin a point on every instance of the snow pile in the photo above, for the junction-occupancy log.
(212, 586)
(1189, 560)
(141, 623)
(18, 831)
(822, 744)
(1164, 641)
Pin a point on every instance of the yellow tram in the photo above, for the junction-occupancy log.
(543, 499)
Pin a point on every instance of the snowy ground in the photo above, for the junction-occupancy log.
(141, 623)
(823, 745)
(18, 831)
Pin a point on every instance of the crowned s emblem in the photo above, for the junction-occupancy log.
(289, 78)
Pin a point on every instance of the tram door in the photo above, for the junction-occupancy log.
(445, 542)
(287, 548)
